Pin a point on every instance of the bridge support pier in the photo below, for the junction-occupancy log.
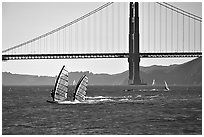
(134, 58)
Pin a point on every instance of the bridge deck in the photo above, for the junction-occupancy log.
(98, 55)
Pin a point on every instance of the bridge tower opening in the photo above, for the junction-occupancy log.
(134, 58)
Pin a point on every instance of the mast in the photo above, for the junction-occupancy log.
(58, 78)
(78, 85)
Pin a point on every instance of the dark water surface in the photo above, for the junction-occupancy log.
(108, 110)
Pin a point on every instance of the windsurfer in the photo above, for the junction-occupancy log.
(52, 93)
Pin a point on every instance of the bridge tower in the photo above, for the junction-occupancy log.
(134, 58)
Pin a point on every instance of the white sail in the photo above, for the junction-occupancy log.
(74, 82)
(153, 82)
(81, 87)
(61, 85)
(166, 86)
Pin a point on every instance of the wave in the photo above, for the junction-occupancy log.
(70, 102)
(104, 97)
(115, 99)
(98, 97)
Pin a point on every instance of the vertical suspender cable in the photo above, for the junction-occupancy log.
(59, 41)
(65, 42)
(171, 30)
(177, 30)
(62, 40)
(118, 13)
(143, 33)
(65, 48)
(25, 49)
(50, 43)
(52, 40)
(100, 30)
(183, 32)
(33, 47)
(125, 24)
(56, 47)
(70, 38)
(38, 46)
(148, 27)
(106, 27)
(123, 27)
(112, 8)
(85, 35)
(189, 31)
(43, 39)
(90, 46)
(53, 43)
(94, 31)
(160, 26)
(166, 30)
(82, 34)
(41, 45)
(76, 37)
(200, 37)
(154, 28)
(45, 43)
(194, 35)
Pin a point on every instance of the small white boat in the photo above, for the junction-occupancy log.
(166, 88)
(153, 82)
(74, 82)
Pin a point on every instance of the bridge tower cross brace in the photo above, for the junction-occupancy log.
(134, 58)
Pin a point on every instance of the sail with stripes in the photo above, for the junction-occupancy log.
(81, 87)
(61, 85)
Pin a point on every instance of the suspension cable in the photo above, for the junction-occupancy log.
(62, 27)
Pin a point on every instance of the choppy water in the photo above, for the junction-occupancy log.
(108, 110)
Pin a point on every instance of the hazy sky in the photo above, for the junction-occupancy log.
(24, 21)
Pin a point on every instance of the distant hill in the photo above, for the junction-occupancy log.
(19, 79)
(189, 73)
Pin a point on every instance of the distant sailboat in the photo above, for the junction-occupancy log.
(153, 82)
(74, 82)
(166, 86)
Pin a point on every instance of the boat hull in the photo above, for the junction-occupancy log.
(50, 101)
(64, 102)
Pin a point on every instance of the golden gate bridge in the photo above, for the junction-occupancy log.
(119, 30)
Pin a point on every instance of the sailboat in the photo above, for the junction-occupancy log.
(74, 82)
(80, 90)
(166, 88)
(61, 86)
(153, 82)
(61, 89)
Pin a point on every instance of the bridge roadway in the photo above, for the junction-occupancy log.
(98, 55)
